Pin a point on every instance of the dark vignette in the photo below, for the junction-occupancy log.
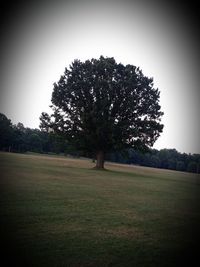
(11, 12)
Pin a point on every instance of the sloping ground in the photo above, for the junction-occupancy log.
(58, 211)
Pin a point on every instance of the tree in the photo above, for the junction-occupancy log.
(19, 141)
(192, 166)
(35, 142)
(99, 105)
(180, 166)
(155, 161)
(6, 133)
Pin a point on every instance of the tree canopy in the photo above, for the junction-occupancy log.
(100, 105)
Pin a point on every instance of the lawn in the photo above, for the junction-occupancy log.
(58, 211)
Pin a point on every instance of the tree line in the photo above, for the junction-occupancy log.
(164, 159)
(20, 139)
(17, 138)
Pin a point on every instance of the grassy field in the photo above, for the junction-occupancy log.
(58, 211)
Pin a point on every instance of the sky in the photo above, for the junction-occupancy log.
(40, 38)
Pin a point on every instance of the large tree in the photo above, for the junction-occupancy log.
(100, 105)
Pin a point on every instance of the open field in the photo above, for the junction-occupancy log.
(57, 211)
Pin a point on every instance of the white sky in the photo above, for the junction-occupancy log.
(42, 41)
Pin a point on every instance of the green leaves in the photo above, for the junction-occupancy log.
(100, 104)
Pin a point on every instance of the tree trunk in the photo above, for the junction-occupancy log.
(100, 160)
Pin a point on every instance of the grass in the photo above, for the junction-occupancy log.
(58, 211)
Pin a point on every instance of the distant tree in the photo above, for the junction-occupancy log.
(198, 167)
(135, 156)
(192, 167)
(155, 161)
(35, 143)
(46, 142)
(146, 159)
(164, 156)
(99, 105)
(6, 133)
(59, 144)
(172, 164)
(196, 158)
(19, 138)
(180, 166)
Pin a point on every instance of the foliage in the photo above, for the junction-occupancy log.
(99, 105)
(17, 138)
(5, 132)
(164, 158)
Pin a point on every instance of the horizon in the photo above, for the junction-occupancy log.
(172, 148)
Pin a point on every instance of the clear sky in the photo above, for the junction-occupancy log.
(40, 39)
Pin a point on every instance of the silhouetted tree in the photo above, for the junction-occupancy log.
(192, 166)
(6, 133)
(99, 105)
(180, 166)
